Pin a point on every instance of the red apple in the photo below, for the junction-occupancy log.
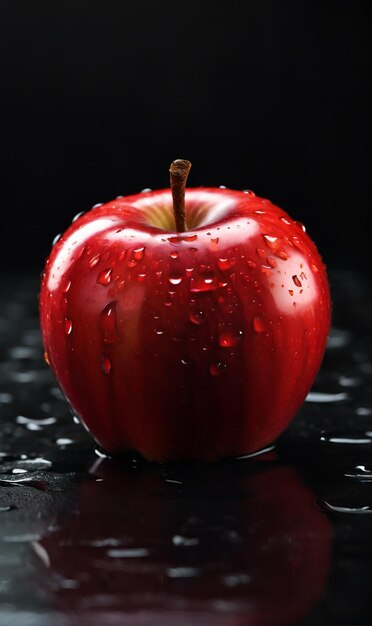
(197, 344)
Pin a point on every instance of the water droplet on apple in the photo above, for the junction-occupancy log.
(175, 279)
(159, 331)
(201, 284)
(301, 225)
(226, 263)
(222, 186)
(145, 190)
(94, 260)
(227, 338)
(258, 324)
(104, 277)
(197, 316)
(141, 277)
(67, 286)
(56, 238)
(271, 262)
(296, 281)
(217, 368)
(249, 192)
(68, 326)
(261, 252)
(251, 263)
(76, 217)
(108, 323)
(95, 206)
(174, 254)
(285, 221)
(281, 254)
(105, 364)
(298, 244)
(46, 358)
(138, 253)
(190, 238)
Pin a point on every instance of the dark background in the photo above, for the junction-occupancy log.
(97, 97)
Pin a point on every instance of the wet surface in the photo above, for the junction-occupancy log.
(284, 537)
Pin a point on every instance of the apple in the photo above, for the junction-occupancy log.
(185, 323)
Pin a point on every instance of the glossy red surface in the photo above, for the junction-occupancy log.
(193, 346)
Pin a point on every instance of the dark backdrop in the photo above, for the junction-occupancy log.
(97, 97)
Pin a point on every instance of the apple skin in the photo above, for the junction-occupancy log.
(195, 345)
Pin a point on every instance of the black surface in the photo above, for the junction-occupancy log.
(98, 97)
(284, 537)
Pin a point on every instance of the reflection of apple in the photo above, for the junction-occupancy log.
(228, 545)
(197, 344)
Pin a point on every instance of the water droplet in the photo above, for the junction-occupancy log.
(202, 284)
(249, 192)
(145, 190)
(271, 262)
(360, 510)
(296, 281)
(190, 238)
(64, 441)
(107, 320)
(215, 240)
(317, 396)
(138, 253)
(227, 338)
(174, 239)
(217, 368)
(56, 238)
(175, 279)
(270, 240)
(140, 277)
(159, 331)
(180, 540)
(302, 226)
(281, 254)
(105, 364)
(94, 260)
(226, 263)
(258, 324)
(189, 271)
(222, 186)
(46, 358)
(128, 553)
(298, 244)
(98, 204)
(261, 252)
(183, 572)
(285, 220)
(104, 277)
(67, 286)
(197, 316)
(68, 326)
(174, 254)
(258, 212)
(77, 216)
(251, 263)
(361, 473)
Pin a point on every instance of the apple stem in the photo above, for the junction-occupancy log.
(179, 171)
